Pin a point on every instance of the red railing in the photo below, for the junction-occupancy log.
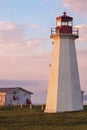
(75, 31)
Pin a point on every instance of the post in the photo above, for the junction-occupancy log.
(42, 107)
(21, 105)
(30, 106)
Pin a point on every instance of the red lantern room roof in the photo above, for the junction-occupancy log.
(64, 18)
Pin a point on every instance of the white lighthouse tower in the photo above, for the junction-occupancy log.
(64, 92)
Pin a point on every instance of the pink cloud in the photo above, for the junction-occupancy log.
(82, 32)
(34, 26)
(76, 5)
(11, 33)
(34, 42)
(13, 39)
(24, 48)
(36, 68)
(24, 68)
(7, 25)
(81, 41)
(82, 64)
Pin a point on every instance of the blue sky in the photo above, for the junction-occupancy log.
(25, 44)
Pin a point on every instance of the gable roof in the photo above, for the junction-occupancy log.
(10, 89)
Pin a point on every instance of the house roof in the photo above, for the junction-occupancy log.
(10, 89)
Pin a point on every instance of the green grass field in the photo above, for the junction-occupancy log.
(15, 118)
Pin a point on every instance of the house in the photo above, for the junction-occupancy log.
(14, 96)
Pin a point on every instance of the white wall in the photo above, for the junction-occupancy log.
(20, 95)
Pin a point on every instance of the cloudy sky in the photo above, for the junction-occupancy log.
(25, 44)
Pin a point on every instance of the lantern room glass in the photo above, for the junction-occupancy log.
(66, 23)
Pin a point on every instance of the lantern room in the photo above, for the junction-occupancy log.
(64, 24)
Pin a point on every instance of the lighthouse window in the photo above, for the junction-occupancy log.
(58, 23)
(70, 23)
(64, 23)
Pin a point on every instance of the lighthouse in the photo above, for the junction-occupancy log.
(64, 93)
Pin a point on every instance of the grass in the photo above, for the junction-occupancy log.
(15, 118)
